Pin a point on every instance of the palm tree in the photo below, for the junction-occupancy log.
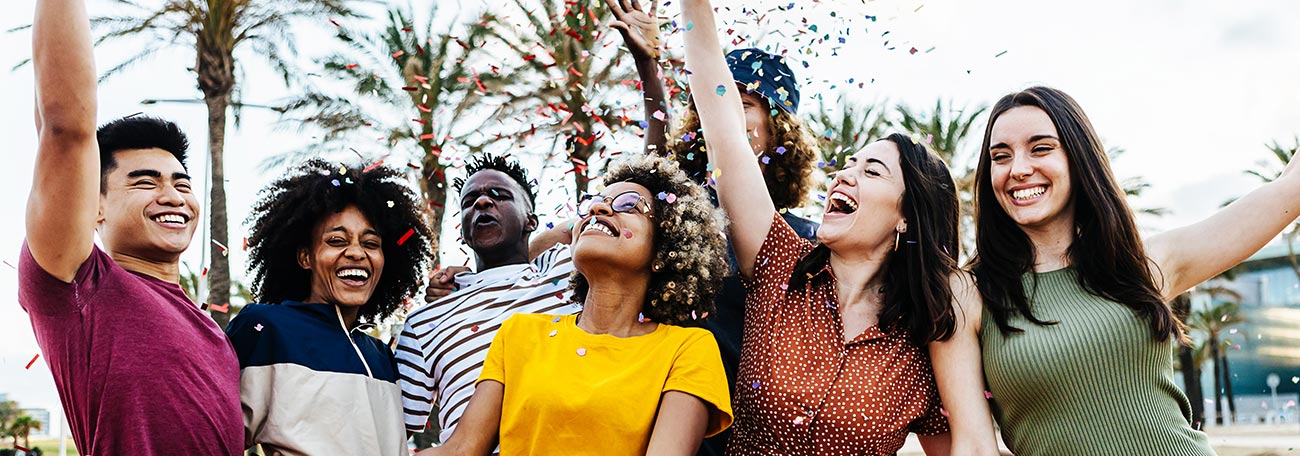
(23, 427)
(413, 89)
(566, 75)
(1189, 364)
(216, 30)
(1213, 322)
(1267, 172)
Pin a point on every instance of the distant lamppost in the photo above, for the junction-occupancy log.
(1273, 380)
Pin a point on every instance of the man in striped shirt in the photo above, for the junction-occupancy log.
(443, 344)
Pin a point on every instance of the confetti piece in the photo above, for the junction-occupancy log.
(409, 232)
(780, 150)
(670, 198)
(582, 352)
(553, 333)
(755, 385)
(473, 328)
(1000, 54)
(798, 420)
(258, 327)
(223, 308)
(373, 166)
(722, 89)
(988, 394)
(556, 320)
(627, 233)
(33, 361)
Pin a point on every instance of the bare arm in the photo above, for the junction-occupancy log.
(959, 372)
(1192, 254)
(722, 117)
(477, 432)
(937, 445)
(64, 202)
(680, 425)
(561, 234)
(640, 31)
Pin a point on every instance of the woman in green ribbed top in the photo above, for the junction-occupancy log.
(1076, 339)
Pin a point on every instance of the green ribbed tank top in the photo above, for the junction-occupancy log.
(1096, 383)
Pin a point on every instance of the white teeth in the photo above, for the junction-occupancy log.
(853, 205)
(1028, 193)
(595, 225)
(170, 218)
(352, 273)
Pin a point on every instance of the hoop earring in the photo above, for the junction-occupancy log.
(896, 236)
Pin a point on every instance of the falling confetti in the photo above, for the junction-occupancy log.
(33, 361)
(722, 89)
(409, 232)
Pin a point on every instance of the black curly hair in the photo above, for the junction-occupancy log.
(689, 251)
(499, 163)
(137, 132)
(291, 207)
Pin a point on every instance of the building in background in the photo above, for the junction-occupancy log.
(1268, 342)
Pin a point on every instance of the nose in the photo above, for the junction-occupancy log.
(484, 201)
(1021, 168)
(600, 207)
(354, 251)
(168, 195)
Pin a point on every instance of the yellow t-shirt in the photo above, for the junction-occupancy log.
(569, 392)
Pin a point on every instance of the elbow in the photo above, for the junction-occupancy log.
(62, 129)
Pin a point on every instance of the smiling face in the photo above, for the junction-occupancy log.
(147, 209)
(1030, 170)
(623, 241)
(495, 214)
(346, 259)
(864, 202)
(758, 122)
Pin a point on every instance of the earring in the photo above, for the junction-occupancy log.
(897, 234)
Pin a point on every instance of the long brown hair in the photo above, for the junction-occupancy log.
(918, 295)
(1106, 253)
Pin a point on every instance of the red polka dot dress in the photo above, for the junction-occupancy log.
(802, 390)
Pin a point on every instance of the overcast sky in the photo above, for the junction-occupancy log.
(1191, 89)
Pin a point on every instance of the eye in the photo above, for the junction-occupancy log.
(1000, 157)
(1043, 148)
(336, 241)
(373, 244)
(872, 172)
(146, 183)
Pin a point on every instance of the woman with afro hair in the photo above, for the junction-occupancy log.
(333, 250)
(622, 377)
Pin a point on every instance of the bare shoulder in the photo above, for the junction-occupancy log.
(966, 301)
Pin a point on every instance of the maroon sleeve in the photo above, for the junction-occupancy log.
(40, 292)
(776, 260)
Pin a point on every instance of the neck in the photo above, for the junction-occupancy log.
(349, 314)
(1051, 244)
(489, 258)
(613, 307)
(858, 280)
(166, 271)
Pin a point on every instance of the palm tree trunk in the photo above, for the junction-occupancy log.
(1218, 379)
(1227, 387)
(219, 270)
(1187, 364)
(433, 184)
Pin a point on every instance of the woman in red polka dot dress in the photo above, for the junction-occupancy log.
(834, 360)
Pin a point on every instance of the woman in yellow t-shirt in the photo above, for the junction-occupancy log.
(621, 377)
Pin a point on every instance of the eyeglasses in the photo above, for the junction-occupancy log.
(623, 202)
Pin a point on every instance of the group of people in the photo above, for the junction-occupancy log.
(648, 323)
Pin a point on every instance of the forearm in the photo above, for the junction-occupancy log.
(64, 65)
(562, 233)
(736, 174)
(656, 108)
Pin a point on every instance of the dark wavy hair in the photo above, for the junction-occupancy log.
(137, 132)
(1107, 252)
(498, 163)
(788, 174)
(918, 292)
(689, 256)
(290, 208)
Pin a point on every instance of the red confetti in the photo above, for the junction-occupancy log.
(30, 363)
(336, 24)
(399, 54)
(369, 168)
(406, 236)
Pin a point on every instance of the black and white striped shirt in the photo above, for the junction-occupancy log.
(443, 344)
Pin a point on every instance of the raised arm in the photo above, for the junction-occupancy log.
(477, 432)
(64, 201)
(561, 233)
(739, 181)
(1192, 254)
(640, 31)
(959, 372)
(680, 425)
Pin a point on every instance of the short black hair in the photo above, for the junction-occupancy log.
(499, 163)
(283, 219)
(138, 132)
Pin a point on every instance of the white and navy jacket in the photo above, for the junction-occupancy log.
(310, 386)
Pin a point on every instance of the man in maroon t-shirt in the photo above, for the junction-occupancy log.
(139, 368)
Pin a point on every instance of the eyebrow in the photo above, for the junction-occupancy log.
(342, 229)
(872, 160)
(154, 174)
(1033, 138)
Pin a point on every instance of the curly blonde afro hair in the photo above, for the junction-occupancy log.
(792, 156)
(689, 258)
